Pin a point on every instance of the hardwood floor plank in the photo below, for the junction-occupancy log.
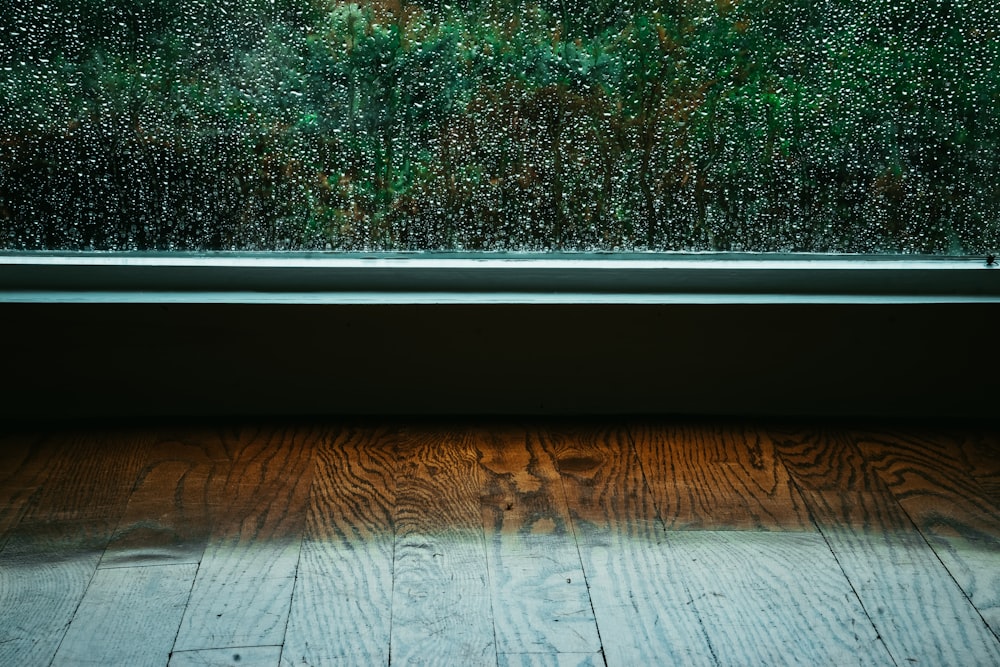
(711, 476)
(825, 460)
(771, 592)
(934, 482)
(251, 656)
(920, 613)
(21, 462)
(76, 476)
(540, 599)
(74, 486)
(89, 480)
(773, 598)
(44, 574)
(129, 616)
(341, 605)
(243, 589)
(169, 515)
(639, 600)
(441, 611)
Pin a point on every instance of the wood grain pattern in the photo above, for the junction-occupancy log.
(497, 543)
(78, 485)
(43, 576)
(642, 613)
(934, 481)
(772, 598)
(169, 517)
(825, 460)
(341, 606)
(441, 608)
(981, 449)
(78, 477)
(919, 612)
(243, 589)
(540, 599)
(765, 589)
(717, 477)
(128, 616)
(21, 462)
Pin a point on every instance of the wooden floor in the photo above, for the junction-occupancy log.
(464, 543)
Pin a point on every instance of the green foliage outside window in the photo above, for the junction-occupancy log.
(757, 125)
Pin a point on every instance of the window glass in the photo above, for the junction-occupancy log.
(866, 126)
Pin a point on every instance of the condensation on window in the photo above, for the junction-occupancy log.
(856, 126)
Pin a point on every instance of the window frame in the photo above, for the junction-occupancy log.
(483, 278)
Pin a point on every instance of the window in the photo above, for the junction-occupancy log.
(844, 126)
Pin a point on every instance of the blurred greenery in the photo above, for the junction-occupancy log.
(861, 126)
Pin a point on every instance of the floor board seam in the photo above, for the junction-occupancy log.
(76, 610)
(840, 565)
(180, 625)
(662, 525)
(579, 554)
(926, 540)
(132, 567)
(225, 648)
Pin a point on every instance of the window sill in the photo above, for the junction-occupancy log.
(514, 279)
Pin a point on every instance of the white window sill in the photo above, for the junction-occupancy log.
(510, 279)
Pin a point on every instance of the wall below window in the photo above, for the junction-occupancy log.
(65, 360)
